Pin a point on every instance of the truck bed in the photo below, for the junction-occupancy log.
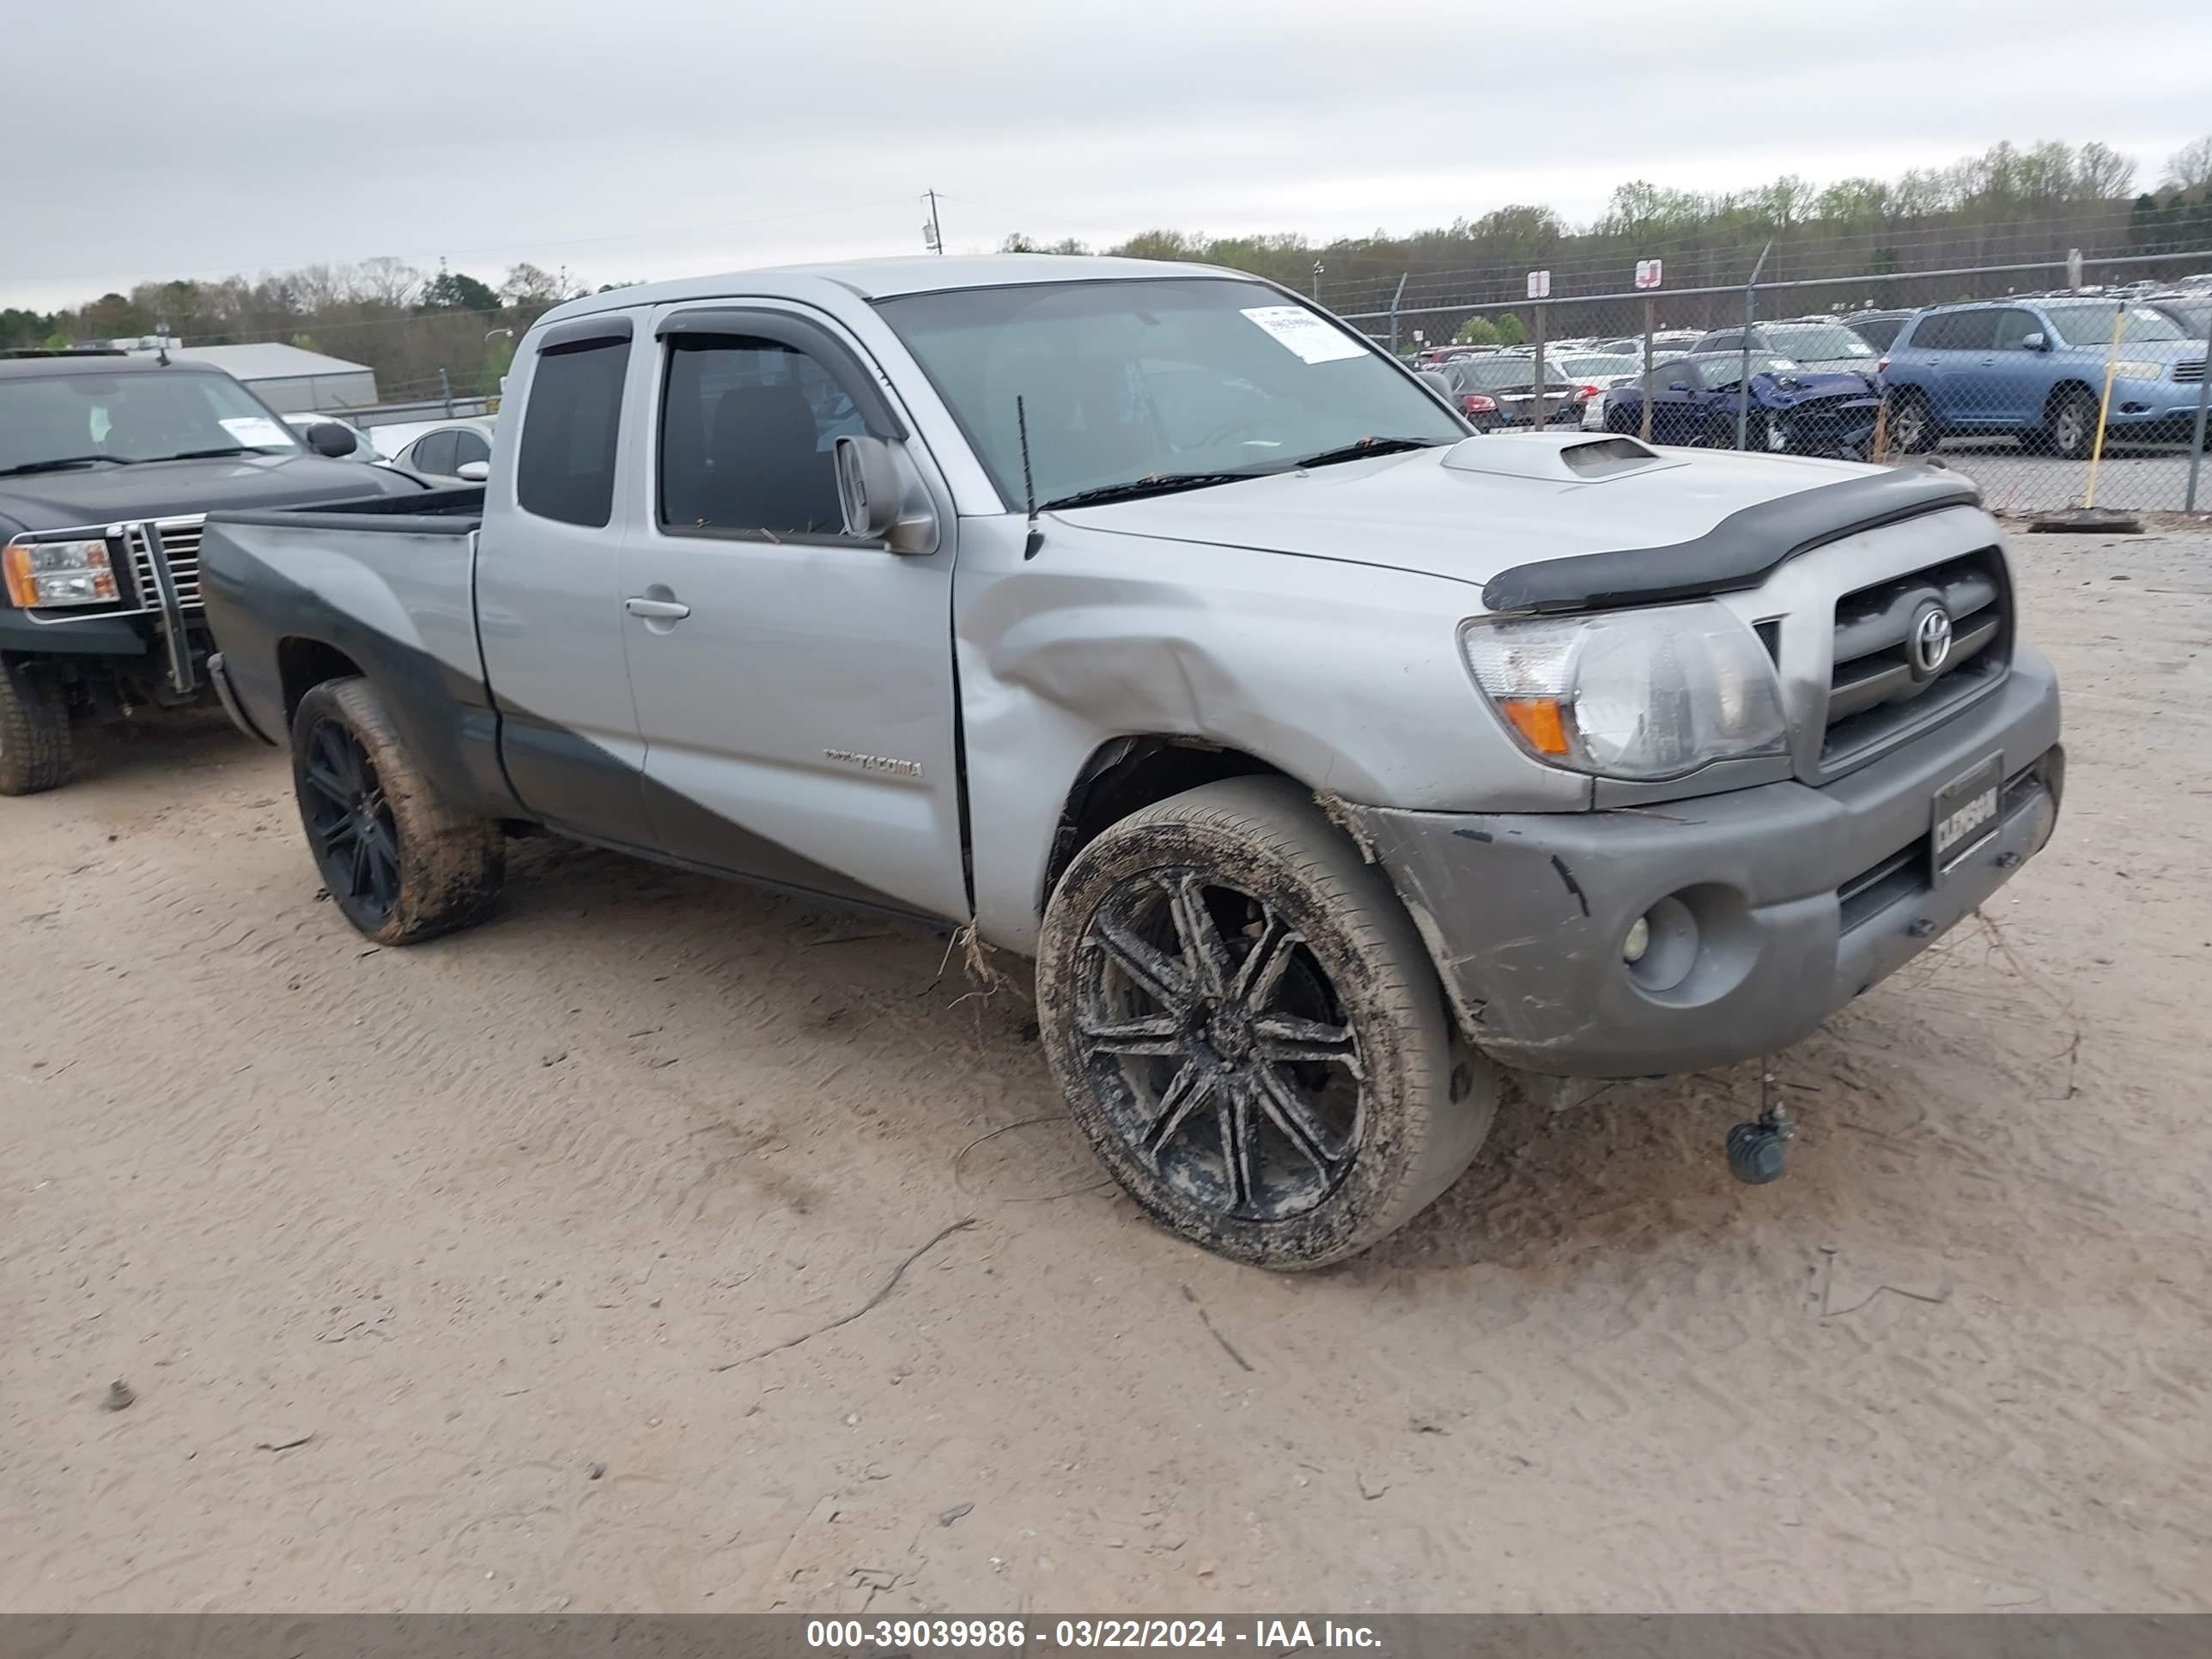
(450, 512)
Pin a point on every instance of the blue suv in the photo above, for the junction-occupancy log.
(2035, 368)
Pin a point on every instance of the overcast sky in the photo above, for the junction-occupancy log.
(670, 138)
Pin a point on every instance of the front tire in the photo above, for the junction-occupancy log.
(2073, 425)
(1249, 1032)
(400, 863)
(34, 734)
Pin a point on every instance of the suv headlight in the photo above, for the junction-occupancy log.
(59, 573)
(2126, 370)
(1631, 694)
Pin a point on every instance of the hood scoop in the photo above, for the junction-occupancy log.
(1556, 457)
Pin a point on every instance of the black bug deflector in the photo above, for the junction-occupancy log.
(1741, 551)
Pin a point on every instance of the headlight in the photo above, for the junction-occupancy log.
(1631, 694)
(59, 573)
(2127, 371)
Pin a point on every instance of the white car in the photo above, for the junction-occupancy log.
(363, 450)
(459, 450)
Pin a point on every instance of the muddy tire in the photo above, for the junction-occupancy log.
(34, 734)
(401, 863)
(1911, 424)
(1249, 1032)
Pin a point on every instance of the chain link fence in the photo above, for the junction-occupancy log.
(2053, 382)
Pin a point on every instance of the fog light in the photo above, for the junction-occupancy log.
(1639, 940)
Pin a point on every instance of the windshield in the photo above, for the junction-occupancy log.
(83, 419)
(1494, 373)
(1128, 381)
(1819, 343)
(2089, 322)
(2193, 315)
(1728, 369)
(1594, 368)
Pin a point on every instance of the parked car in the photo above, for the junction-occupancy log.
(2192, 312)
(1671, 341)
(1878, 329)
(1496, 392)
(1310, 752)
(2035, 368)
(1695, 401)
(107, 463)
(459, 450)
(360, 448)
(1817, 348)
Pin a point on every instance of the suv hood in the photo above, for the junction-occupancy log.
(158, 490)
(1412, 512)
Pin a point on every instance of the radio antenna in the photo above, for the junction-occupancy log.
(1036, 538)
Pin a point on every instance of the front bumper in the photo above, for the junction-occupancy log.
(1798, 898)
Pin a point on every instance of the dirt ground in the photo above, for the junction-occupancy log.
(558, 1265)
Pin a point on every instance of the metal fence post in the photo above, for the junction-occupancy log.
(1743, 384)
(2196, 442)
(446, 390)
(1650, 326)
(1543, 418)
(1394, 298)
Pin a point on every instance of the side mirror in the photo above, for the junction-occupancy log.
(2037, 340)
(473, 471)
(1677, 385)
(881, 497)
(328, 439)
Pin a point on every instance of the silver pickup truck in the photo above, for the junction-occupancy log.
(1147, 623)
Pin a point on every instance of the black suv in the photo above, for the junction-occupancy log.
(108, 464)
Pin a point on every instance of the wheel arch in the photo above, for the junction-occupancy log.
(304, 662)
(2070, 386)
(1126, 774)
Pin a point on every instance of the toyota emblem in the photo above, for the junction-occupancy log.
(1931, 642)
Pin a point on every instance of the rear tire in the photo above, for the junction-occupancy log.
(400, 863)
(1911, 424)
(1249, 1032)
(34, 734)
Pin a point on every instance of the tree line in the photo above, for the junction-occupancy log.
(2007, 205)
(2010, 204)
(421, 331)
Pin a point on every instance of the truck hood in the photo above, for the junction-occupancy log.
(159, 489)
(1412, 512)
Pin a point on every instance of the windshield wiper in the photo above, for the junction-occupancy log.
(1160, 483)
(212, 454)
(1361, 451)
(61, 461)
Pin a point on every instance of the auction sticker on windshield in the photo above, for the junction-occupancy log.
(255, 431)
(1300, 331)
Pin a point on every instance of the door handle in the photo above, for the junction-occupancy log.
(657, 609)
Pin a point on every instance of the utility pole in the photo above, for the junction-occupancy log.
(932, 234)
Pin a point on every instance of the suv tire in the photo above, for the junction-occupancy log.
(34, 734)
(1249, 1032)
(401, 865)
(2072, 427)
(1912, 429)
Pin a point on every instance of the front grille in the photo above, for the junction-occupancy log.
(180, 545)
(2191, 371)
(1875, 696)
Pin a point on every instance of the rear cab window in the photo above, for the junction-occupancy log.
(565, 466)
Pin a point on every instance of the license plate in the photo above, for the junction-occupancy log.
(1966, 814)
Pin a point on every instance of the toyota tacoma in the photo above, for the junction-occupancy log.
(1146, 622)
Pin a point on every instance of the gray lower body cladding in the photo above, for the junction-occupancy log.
(1770, 907)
